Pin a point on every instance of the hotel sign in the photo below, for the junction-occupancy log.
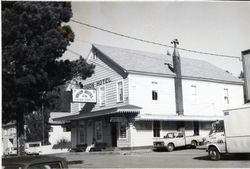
(85, 96)
(97, 83)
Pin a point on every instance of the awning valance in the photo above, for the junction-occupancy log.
(151, 117)
(126, 109)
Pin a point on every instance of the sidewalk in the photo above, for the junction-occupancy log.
(122, 152)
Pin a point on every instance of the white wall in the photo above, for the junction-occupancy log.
(140, 94)
(141, 134)
(58, 134)
(209, 99)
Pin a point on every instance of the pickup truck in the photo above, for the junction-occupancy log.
(176, 139)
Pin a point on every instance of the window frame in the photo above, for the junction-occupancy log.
(117, 92)
(158, 128)
(193, 90)
(154, 91)
(100, 96)
(119, 131)
(226, 96)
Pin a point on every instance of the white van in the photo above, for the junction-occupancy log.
(236, 136)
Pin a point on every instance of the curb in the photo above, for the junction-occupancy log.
(120, 152)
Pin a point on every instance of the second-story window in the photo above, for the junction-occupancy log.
(154, 91)
(193, 90)
(120, 91)
(193, 93)
(226, 99)
(102, 96)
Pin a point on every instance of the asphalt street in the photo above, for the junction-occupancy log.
(187, 158)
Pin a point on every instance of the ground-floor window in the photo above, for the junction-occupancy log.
(98, 131)
(122, 130)
(196, 128)
(156, 128)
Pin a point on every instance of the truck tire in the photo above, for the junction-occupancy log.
(193, 144)
(170, 147)
(213, 153)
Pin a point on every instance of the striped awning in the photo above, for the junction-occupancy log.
(151, 117)
(128, 109)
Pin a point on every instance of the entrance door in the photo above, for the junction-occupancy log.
(114, 134)
(89, 132)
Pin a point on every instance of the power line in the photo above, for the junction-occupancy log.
(152, 42)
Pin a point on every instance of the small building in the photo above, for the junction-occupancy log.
(136, 98)
(58, 130)
(9, 134)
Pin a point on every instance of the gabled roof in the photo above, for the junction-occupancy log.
(133, 61)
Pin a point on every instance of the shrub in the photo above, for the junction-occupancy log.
(62, 143)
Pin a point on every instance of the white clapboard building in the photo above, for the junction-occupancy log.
(136, 98)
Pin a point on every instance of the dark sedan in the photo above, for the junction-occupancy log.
(34, 162)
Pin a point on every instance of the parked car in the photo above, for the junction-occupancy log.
(10, 151)
(33, 148)
(34, 162)
(176, 139)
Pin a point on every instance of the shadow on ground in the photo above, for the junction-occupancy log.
(75, 162)
(175, 149)
(234, 157)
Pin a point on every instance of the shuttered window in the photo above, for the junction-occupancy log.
(120, 91)
(102, 96)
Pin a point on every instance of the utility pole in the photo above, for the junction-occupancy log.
(178, 79)
(43, 117)
(43, 123)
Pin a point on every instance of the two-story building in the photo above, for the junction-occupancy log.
(136, 98)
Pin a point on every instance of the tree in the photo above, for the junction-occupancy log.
(33, 123)
(34, 38)
(59, 101)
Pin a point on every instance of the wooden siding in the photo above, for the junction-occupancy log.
(103, 71)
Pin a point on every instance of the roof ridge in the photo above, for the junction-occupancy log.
(143, 61)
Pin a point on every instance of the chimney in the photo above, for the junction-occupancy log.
(178, 79)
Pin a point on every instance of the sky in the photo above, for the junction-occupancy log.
(214, 27)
